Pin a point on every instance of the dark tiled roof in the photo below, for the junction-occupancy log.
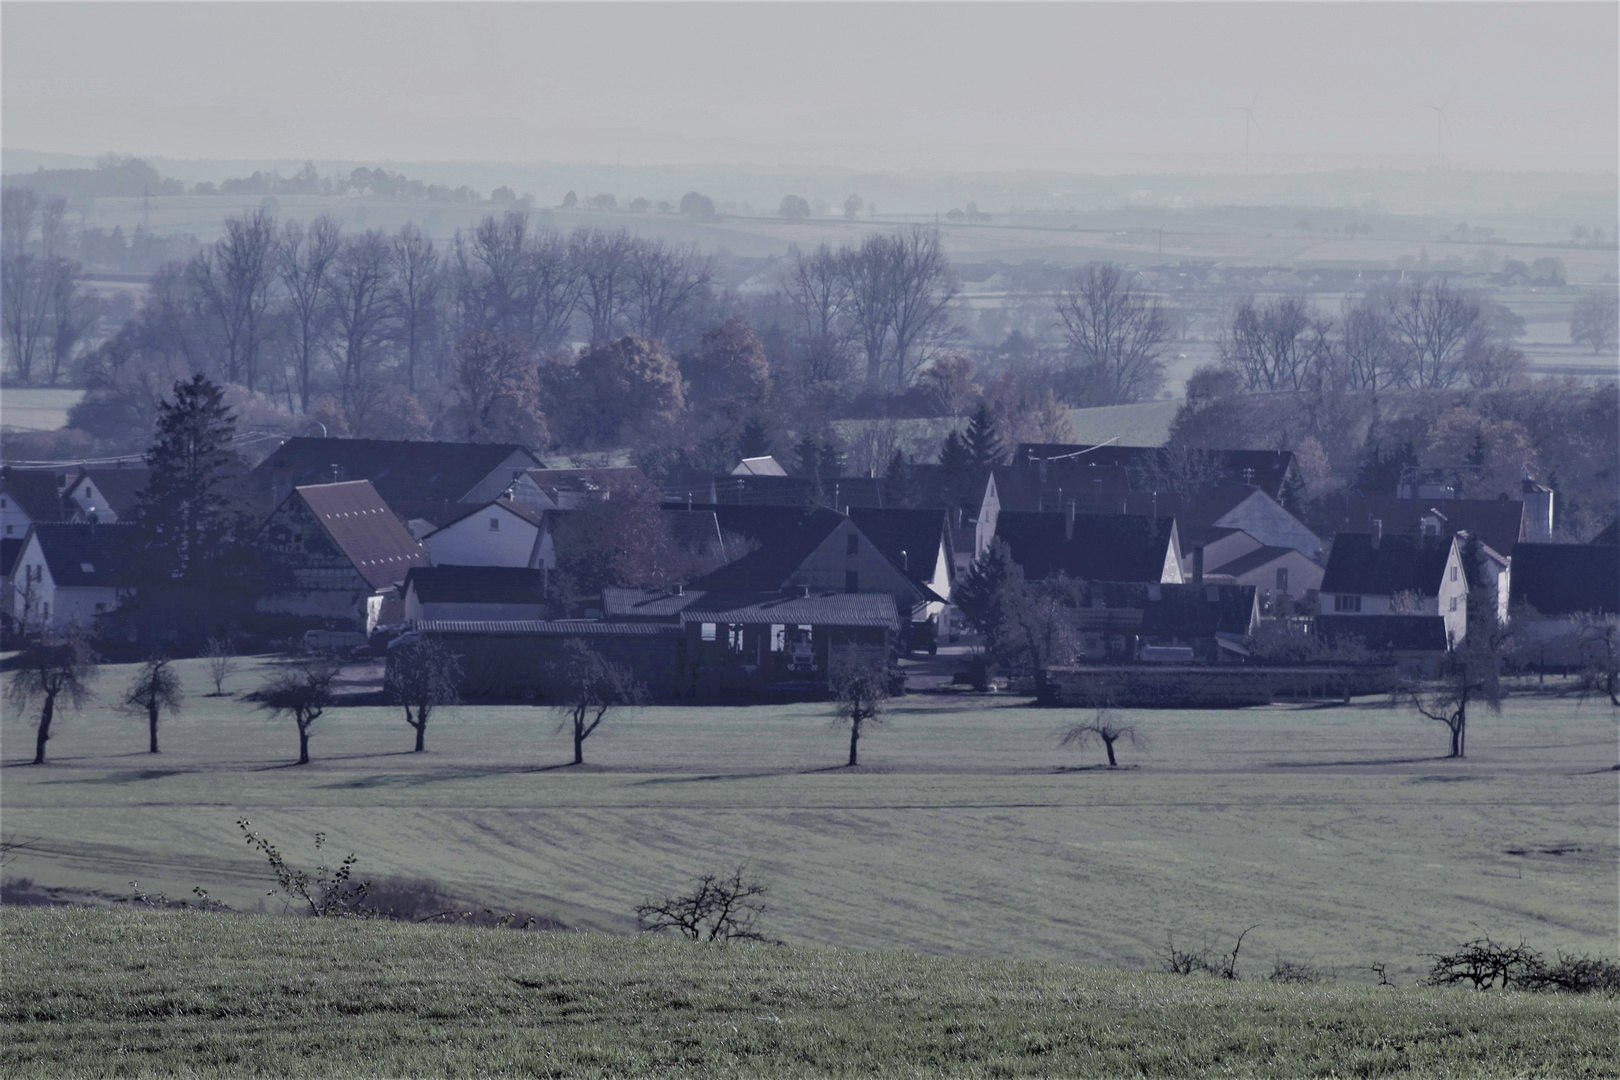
(910, 538)
(693, 530)
(476, 584)
(581, 628)
(118, 489)
(10, 548)
(423, 471)
(1562, 579)
(82, 555)
(366, 530)
(1497, 522)
(586, 481)
(1106, 547)
(1192, 536)
(467, 510)
(1181, 610)
(796, 490)
(35, 492)
(1253, 560)
(786, 536)
(1403, 563)
(1610, 533)
(1385, 633)
(1265, 469)
(701, 606)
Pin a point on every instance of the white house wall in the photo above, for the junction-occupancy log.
(471, 542)
(1261, 517)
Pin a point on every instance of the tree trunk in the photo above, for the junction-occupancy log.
(303, 744)
(1108, 744)
(579, 746)
(421, 733)
(151, 727)
(44, 733)
(854, 742)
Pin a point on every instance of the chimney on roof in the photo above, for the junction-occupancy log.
(1377, 532)
(679, 589)
(1198, 564)
(804, 592)
(1068, 520)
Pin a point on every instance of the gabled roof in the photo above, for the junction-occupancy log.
(1385, 633)
(517, 510)
(693, 530)
(910, 538)
(821, 608)
(1193, 536)
(1106, 547)
(1253, 560)
(399, 470)
(365, 530)
(1094, 489)
(1402, 563)
(1563, 579)
(765, 465)
(1499, 523)
(476, 584)
(786, 536)
(117, 489)
(585, 481)
(85, 555)
(1265, 469)
(1202, 610)
(797, 490)
(35, 492)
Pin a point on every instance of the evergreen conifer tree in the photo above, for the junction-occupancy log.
(961, 478)
(806, 457)
(755, 439)
(984, 439)
(900, 489)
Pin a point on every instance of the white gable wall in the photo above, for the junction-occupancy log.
(473, 542)
(1263, 518)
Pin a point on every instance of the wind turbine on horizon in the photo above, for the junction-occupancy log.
(1248, 122)
(1440, 125)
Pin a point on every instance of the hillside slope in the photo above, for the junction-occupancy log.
(142, 993)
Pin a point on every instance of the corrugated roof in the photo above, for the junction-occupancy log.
(1106, 547)
(1403, 563)
(421, 471)
(548, 628)
(85, 555)
(786, 536)
(365, 530)
(1563, 579)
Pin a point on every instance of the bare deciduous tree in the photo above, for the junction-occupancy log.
(591, 687)
(303, 692)
(155, 691)
(1116, 331)
(423, 674)
(1105, 728)
(24, 295)
(923, 286)
(221, 657)
(1432, 324)
(1470, 674)
(414, 294)
(602, 259)
(234, 277)
(303, 262)
(1596, 321)
(359, 288)
(58, 667)
(1275, 346)
(859, 680)
(667, 283)
(717, 909)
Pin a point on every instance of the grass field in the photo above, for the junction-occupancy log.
(1338, 832)
(36, 408)
(143, 993)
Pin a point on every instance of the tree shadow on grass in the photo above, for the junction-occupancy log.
(1357, 761)
(127, 776)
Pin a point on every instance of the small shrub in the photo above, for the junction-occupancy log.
(718, 909)
(1290, 971)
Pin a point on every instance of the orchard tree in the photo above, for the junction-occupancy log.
(1116, 333)
(1470, 674)
(793, 208)
(1105, 728)
(860, 685)
(423, 675)
(1596, 321)
(156, 690)
(590, 688)
(57, 669)
(303, 692)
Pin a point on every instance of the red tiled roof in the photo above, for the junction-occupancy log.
(363, 527)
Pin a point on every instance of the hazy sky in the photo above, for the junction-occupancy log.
(1077, 87)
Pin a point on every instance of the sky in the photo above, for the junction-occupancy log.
(1146, 87)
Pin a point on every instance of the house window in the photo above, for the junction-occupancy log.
(1453, 603)
(1453, 573)
(494, 524)
(8, 530)
(778, 637)
(1342, 602)
(734, 638)
(707, 633)
(100, 608)
(852, 581)
(852, 544)
(1282, 581)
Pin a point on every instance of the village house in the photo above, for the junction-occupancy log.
(502, 532)
(1555, 588)
(330, 549)
(1268, 470)
(1374, 574)
(569, 489)
(104, 495)
(28, 496)
(474, 593)
(1184, 623)
(401, 472)
(1501, 524)
(1281, 576)
(67, 574)
(1414, 642)
(1093, 547)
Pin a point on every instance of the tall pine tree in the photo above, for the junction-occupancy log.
(191, 569)
(900, 489)
(961, 478)
(984, 439)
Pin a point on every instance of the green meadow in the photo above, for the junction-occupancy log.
(1339, 833)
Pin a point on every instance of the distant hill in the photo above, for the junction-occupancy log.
(111, 177)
